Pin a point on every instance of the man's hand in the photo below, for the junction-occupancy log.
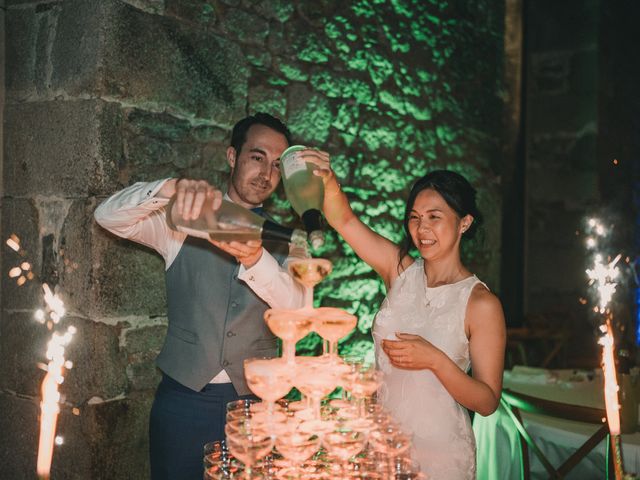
(247, 253)
(191, 196)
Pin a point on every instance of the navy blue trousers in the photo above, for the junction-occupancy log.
(181, 422)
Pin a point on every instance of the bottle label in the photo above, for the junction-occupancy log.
(291, 164)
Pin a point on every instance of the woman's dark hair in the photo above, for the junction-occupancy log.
(456, 191)
(240, 129)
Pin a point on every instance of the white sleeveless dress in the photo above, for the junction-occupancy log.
(443, 442)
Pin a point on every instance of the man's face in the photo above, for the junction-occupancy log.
(255, 170)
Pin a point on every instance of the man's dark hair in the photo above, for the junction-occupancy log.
(240, 129)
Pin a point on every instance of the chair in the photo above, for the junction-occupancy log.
(514, 403)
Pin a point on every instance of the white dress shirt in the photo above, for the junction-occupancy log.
(135, 213)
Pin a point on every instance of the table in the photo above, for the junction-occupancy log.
(497, 439)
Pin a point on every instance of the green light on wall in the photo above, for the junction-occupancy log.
(384, 87)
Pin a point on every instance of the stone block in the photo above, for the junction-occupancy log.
(114, 276)
(142, 345)
(142, 372)
(103, 441)
(128, 278)
(160, 146)
(98, 362)
(203, 12)
(206, 133)
(162, 62)
(63, 148)
(118, 431)
(146, 338)
(270, 100)
(150, 6)
(23, 344)
(279, 10)
(247, 27)
(19, 439)
(107, 440)
(76, 50)
(30, 31)
(309, 115)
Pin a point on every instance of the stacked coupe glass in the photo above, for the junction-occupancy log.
(345, 438)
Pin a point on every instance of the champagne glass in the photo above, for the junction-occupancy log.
(332, 324)
(391, 441)
(269, 378)
(214, 453)
(343, 443)
(242, 408)
(362, 384)
(297, 446)
(309, 272)
(406, 468)
(315, 381)
(290, 326)
(248, 441)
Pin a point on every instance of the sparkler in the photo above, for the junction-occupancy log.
(55, 354)
(49, 406)
(603, 276)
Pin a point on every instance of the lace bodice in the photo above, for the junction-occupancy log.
(442, 436)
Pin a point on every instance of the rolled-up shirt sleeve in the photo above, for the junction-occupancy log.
(135, 213)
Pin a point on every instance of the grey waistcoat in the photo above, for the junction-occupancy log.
(215, 320)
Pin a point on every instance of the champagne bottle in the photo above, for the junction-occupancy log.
(231, 222)
(304, 190)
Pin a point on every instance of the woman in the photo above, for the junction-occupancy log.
(437, 321)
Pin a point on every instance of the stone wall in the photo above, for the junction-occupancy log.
(103, 93)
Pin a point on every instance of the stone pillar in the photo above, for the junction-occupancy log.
(562, 129)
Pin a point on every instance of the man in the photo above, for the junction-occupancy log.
(215, 313)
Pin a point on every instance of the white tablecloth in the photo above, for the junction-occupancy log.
(497, 439)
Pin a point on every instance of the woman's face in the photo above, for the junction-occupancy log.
(434, 226)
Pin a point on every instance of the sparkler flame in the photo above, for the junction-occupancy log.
(49, 407)
(50, 403)
(610, 379)
(603, 276)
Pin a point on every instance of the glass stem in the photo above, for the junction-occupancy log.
(308, 298)
(289, 351)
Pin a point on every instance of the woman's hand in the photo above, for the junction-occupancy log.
(412, 352)
(323, 162)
